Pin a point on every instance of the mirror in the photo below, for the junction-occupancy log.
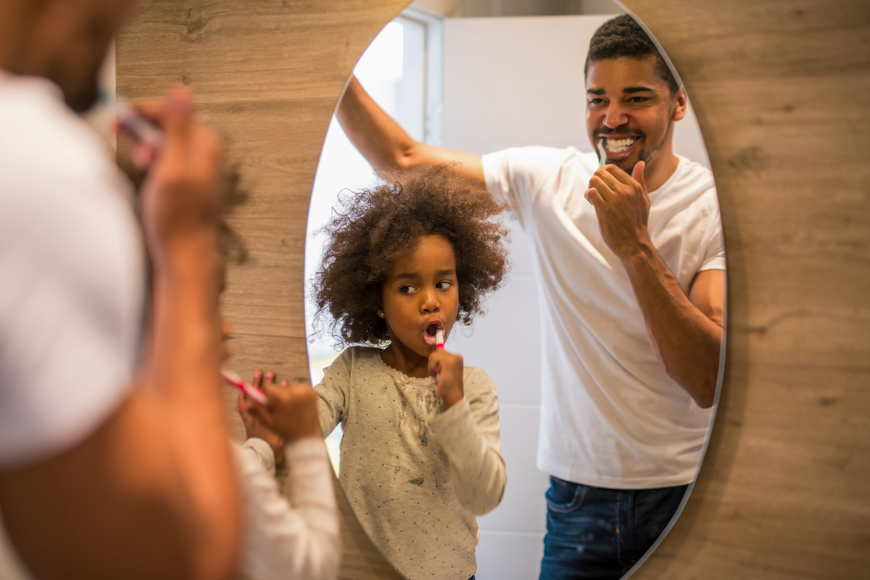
(499, 85)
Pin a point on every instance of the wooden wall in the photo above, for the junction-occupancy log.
(780, 90)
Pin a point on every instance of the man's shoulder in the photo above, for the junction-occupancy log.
(692, 182)
(694, 175)
(43, 138)
(51, 162)
(541, 154)
(542, 161)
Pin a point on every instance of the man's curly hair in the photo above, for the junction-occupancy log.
(374, 227)
(622, 36)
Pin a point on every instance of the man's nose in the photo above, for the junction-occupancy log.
(615, 116)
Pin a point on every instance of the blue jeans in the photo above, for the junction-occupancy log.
(599, 533)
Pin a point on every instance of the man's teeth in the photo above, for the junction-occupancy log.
(618, 145)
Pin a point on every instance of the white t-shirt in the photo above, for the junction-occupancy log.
(610, 415)
(72, 270)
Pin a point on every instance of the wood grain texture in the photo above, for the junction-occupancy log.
(779, 89)
(780, 93)
(267, 76)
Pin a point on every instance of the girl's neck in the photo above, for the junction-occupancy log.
(406, 361)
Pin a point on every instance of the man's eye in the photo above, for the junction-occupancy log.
(444, 285)
(595, 101)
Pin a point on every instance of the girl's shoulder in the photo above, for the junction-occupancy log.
(476, 379)
(353, 355)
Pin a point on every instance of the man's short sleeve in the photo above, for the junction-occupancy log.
(517, 174)
(71, 300)
(714, 254)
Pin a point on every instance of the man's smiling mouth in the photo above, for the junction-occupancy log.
(618, 148)
(618, 145)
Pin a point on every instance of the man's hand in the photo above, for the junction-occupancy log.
(292, 410)
(255, 428)
(622, 205)
(685, 332)
(181, 196)
(448, 368)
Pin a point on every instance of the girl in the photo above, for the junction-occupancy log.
(421, 453)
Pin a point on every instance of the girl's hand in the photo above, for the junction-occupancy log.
(448, 368)
(255, 428)
(292, 410)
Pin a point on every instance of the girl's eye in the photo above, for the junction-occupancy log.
(407, 289)
(444, 285)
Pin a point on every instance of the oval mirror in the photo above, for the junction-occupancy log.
(469, 79)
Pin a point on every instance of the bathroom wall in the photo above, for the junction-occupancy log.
(779, 89)
(510, 82)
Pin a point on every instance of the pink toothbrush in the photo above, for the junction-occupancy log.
(235, 380)
(439, 343)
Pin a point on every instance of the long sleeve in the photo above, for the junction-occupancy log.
(332, 392)
(298, 536)
(469, 434)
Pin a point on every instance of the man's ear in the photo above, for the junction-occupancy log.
(681, 101)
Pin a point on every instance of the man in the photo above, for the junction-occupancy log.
(631, 261)
(114, 456)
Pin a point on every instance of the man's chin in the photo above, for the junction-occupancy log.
(83, 101)
(626, 164)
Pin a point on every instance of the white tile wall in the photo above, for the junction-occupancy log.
(509, 556)
(511, 82)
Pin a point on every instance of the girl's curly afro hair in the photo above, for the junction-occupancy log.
(374, 227)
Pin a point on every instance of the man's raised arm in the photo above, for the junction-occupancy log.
(151, 491)
(386, 145)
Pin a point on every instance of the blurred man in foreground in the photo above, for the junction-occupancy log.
(114, 460)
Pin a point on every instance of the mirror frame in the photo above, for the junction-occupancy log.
(779, 91)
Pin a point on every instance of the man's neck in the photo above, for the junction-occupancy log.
(656, 174)
(33, 35)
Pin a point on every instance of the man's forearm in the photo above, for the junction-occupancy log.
(386, 145)
(685, 339)
(184, 371)
(376, 135)
(112, 506)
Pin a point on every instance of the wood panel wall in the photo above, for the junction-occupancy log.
(779, 89)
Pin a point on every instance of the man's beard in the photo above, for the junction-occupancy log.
(80, 93)
(647, 154)
(82, 100)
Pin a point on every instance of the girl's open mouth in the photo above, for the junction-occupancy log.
(430, 330)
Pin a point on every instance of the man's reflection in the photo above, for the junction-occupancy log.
(628, 249)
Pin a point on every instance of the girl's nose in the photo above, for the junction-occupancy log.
(429, 301)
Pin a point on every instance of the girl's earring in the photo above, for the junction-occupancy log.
(381, 313)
